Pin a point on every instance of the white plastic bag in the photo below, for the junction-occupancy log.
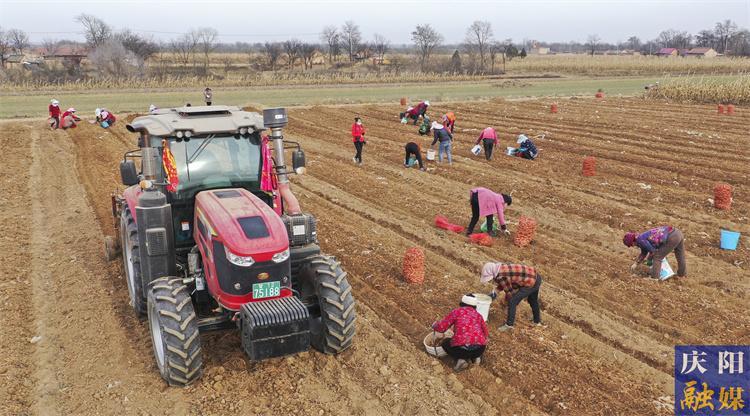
(666, 270)
(476, 150)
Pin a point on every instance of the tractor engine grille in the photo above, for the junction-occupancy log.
(301, 229)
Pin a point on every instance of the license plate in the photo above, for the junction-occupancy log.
(266, 290)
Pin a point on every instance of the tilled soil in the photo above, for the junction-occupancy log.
(607, 344)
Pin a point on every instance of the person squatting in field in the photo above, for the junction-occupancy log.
(657, 243)
(358, 138)
(469, 340)
(440, 134)
(104, 117)
(415, 112)
(526, 148)
(449, 121)
(54, 114)
(69, 119)
(485, 203)
(488, 137)
(518, 282)
(413, 149)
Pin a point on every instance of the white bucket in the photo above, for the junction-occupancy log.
(483, 305)
(430, 340)
(431, 154)
(510, 151)
(476, 150)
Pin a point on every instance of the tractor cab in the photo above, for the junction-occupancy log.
(212, 237)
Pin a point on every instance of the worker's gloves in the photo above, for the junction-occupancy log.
(506, 231)
(633, 267)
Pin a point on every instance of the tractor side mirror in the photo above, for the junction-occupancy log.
(128, 174)
(298, 161)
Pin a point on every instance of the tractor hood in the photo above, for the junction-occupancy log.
(244, 224)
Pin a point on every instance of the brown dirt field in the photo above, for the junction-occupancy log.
(607, 347)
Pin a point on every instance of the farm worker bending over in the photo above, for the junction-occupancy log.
(208, 96)
(488, 137)
(413, 149)
(449, 121)
(485, 203)
(69, 119)
(443, 136)
(54, 114)
(519, 282)
(104, 117)
(527, 149)
(469, 333)
(415, 112)
(424, 128)
(358, 138)
(657, 243)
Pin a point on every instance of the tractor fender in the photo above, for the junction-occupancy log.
(130, 195)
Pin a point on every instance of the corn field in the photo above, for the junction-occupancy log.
(627, 65)
(704, 90)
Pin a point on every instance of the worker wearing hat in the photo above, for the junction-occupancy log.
(442, 135)
(415, 112)
(69, 119)
(470, 333)
(526, 148)
(657, 243)
(54, 113)
(518, 282)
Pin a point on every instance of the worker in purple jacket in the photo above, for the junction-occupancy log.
(657, 243)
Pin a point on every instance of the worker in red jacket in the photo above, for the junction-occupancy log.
(69, 119)
(104, 117)
(488, 137)
(415, 112)
(54, 114)
(358, 138)
(470, 333)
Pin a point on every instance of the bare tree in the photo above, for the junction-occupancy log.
(724, 31)
(381, 45)
(94, 29)
(112, 58)
(183, 47)
(18, 39)
(330, 37)
(350, 38)
(272, 51)
(308, 52)
(479, 36)
(592, 42)
(206, 38)
(292, 50)
(675, 39)
(4, 46)
(50, 46)
(143, 47)
(634, 43)
(427, 39)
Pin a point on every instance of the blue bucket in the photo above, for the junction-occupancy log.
(729, 239)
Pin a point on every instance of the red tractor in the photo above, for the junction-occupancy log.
(212, 237)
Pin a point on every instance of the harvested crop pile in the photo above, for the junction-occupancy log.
(722, 196)
(414, 266)
(483, 239)
(442, 222)
(525, 233)
(589, 166)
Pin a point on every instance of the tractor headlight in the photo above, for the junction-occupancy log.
(242, 261)
(280, 256)
(179, 134)
(188, 134)
(243, 130)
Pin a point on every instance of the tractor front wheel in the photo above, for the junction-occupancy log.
(333, 331)
(174, 331)
(131, 259)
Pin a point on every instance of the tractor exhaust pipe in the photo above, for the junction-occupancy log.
(276, 120)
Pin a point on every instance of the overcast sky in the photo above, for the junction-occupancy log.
(253, 21)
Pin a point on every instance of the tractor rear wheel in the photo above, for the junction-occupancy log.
(333, 331)
(131, 258)
(174, 331)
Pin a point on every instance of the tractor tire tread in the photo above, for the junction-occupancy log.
(138, 301)
(336, 303)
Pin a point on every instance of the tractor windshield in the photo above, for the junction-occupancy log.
(216, 162)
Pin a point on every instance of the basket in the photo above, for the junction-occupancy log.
(436, 338)
(431, 154)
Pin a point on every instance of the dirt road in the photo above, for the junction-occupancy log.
(72, 346)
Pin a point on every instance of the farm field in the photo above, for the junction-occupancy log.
(34, 104)
(607, 347)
